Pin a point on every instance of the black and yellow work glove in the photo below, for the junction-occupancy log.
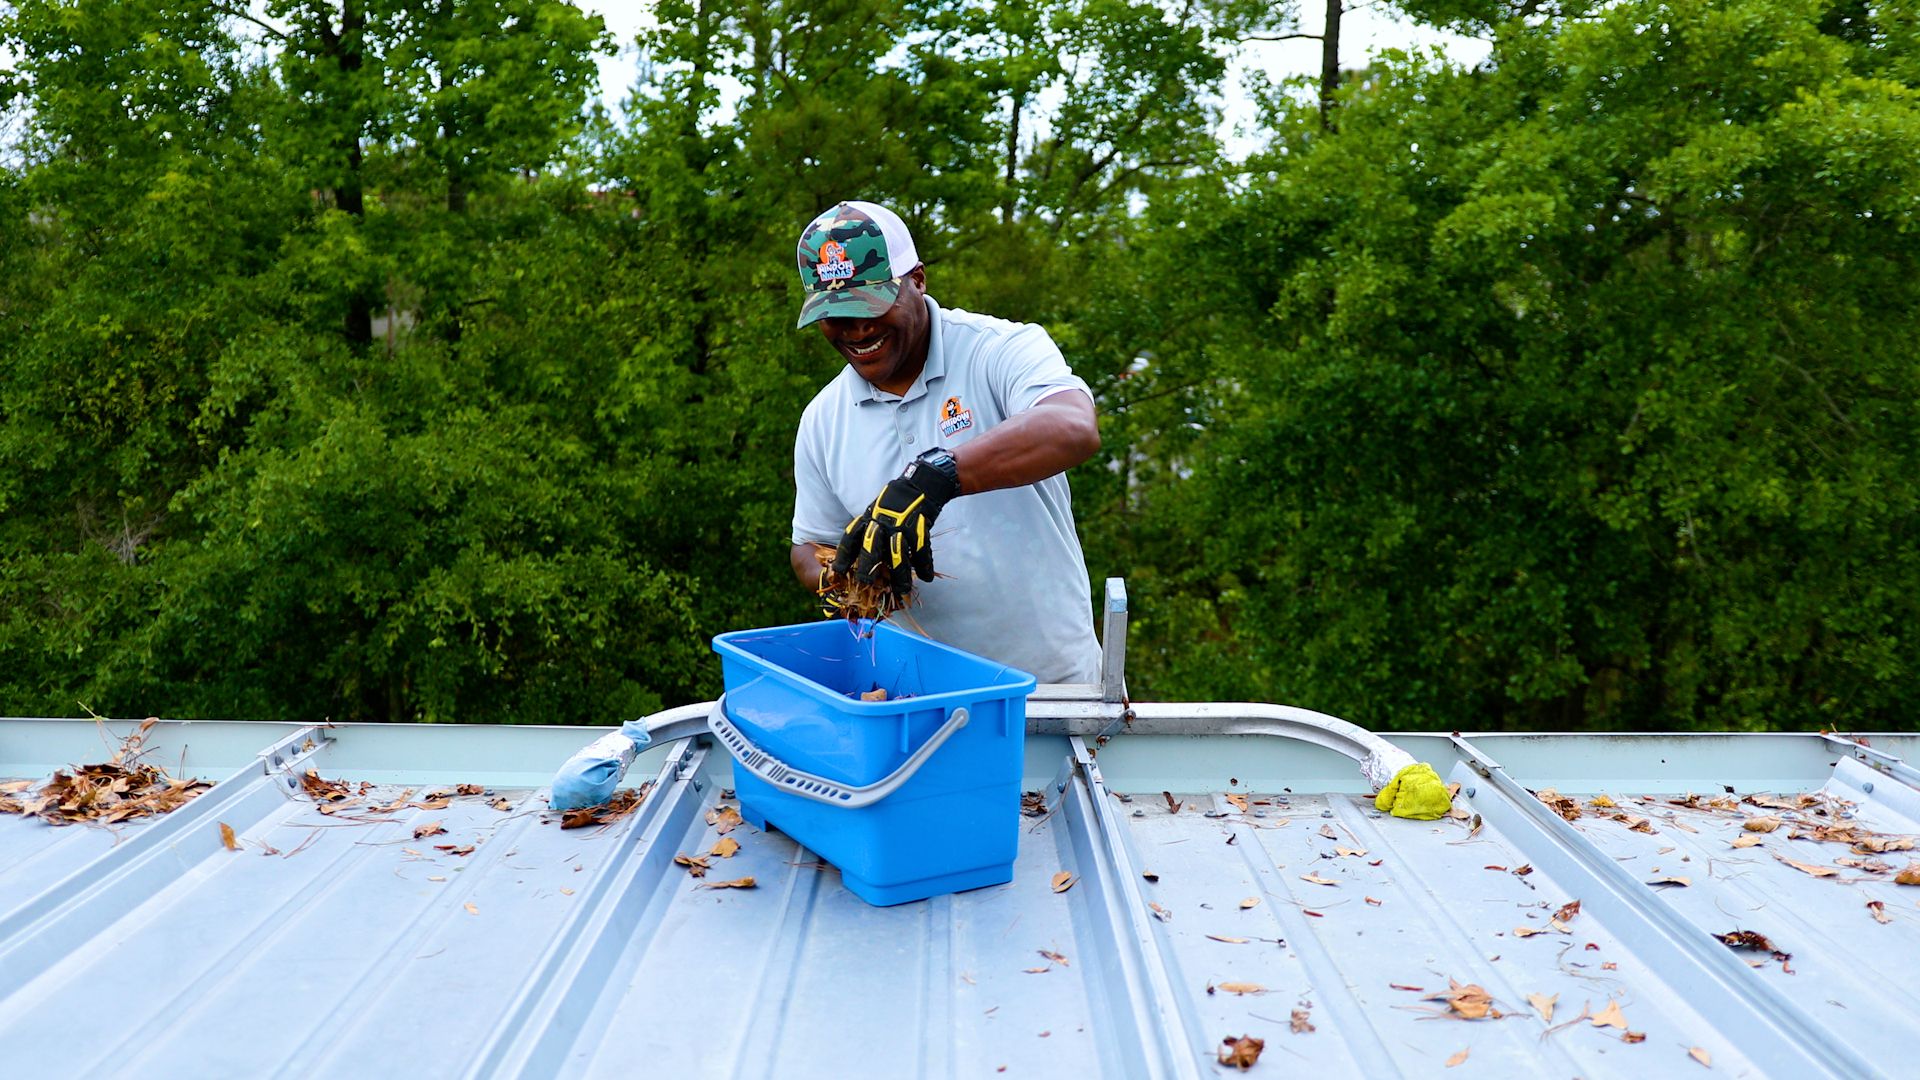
(891, 541)
(833, 597)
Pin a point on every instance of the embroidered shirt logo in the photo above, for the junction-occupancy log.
(834, 264)
(953, 418)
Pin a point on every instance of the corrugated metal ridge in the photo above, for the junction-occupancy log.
(1777, 1030)
(51, 924)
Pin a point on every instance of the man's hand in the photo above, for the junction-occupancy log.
(894, 532)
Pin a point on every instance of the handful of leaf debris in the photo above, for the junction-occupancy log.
(843, 596)
(119, 789)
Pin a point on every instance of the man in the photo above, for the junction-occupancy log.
(941, 416)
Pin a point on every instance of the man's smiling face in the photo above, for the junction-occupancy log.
(887, 350)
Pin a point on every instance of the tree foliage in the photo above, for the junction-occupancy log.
(356, 365)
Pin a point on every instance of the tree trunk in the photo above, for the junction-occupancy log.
(1013, 162)
(1330, 62)
(348, 195)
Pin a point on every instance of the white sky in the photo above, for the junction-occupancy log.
(1363, 32)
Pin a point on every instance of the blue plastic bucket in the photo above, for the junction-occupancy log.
(803, 741)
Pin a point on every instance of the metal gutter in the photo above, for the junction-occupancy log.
(44, 929)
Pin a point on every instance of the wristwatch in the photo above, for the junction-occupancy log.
(941, 460)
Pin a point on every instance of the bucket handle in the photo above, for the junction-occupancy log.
(818, 788)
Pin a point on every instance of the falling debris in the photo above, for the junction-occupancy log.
(1241, 1053)
(119, 789)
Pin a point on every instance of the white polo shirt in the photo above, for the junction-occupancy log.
(1013, 584)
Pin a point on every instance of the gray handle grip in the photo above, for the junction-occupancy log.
(818, 788)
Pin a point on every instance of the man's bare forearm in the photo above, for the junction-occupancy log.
(806, 564)
(1052, 437)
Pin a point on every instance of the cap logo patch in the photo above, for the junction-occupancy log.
(834, 264)
(953, 418)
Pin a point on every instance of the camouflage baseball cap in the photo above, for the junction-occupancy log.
(851, 261)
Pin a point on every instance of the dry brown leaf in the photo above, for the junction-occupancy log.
(1871, 866)
(1528, 931)
(1881, 844)
(437, 877)
(1766, 823)
(878, 693)
(469, 789)
(1565, 915)
(724, 819)
(726, 848)
(696, 864)
(1241, 1053)
(1633, 1036)
(501, 804)
(1241, 988)
(1909, 875)
(1543, 1004)
(1371, 901)
(1250, 901)
(1161, 913)
(1602, 802)
(1317, 879)
(736, 883)
(1469, 1002)
(426, 829)
(1173, 804)
(1746, 840)
(1150, 876)
(1063, 881)
(1229, 940)
(1878, 910)
(1807, 868)
(1358, 853)
(1057, 958)
(1671, 881)
(1301, 1025)
(433, 802)
(1404, 986)
(1239, 802)
(1609, 966)
(566, 892)
(1611, 1016)
(455, 849)
(471, 910)
(1327, 831)
(227, 839)
(1701, 1056)
(1459, 1057)
(1035, 971)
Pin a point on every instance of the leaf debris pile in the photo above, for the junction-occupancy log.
(119, 789)
(624, 802)
(846, 597)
